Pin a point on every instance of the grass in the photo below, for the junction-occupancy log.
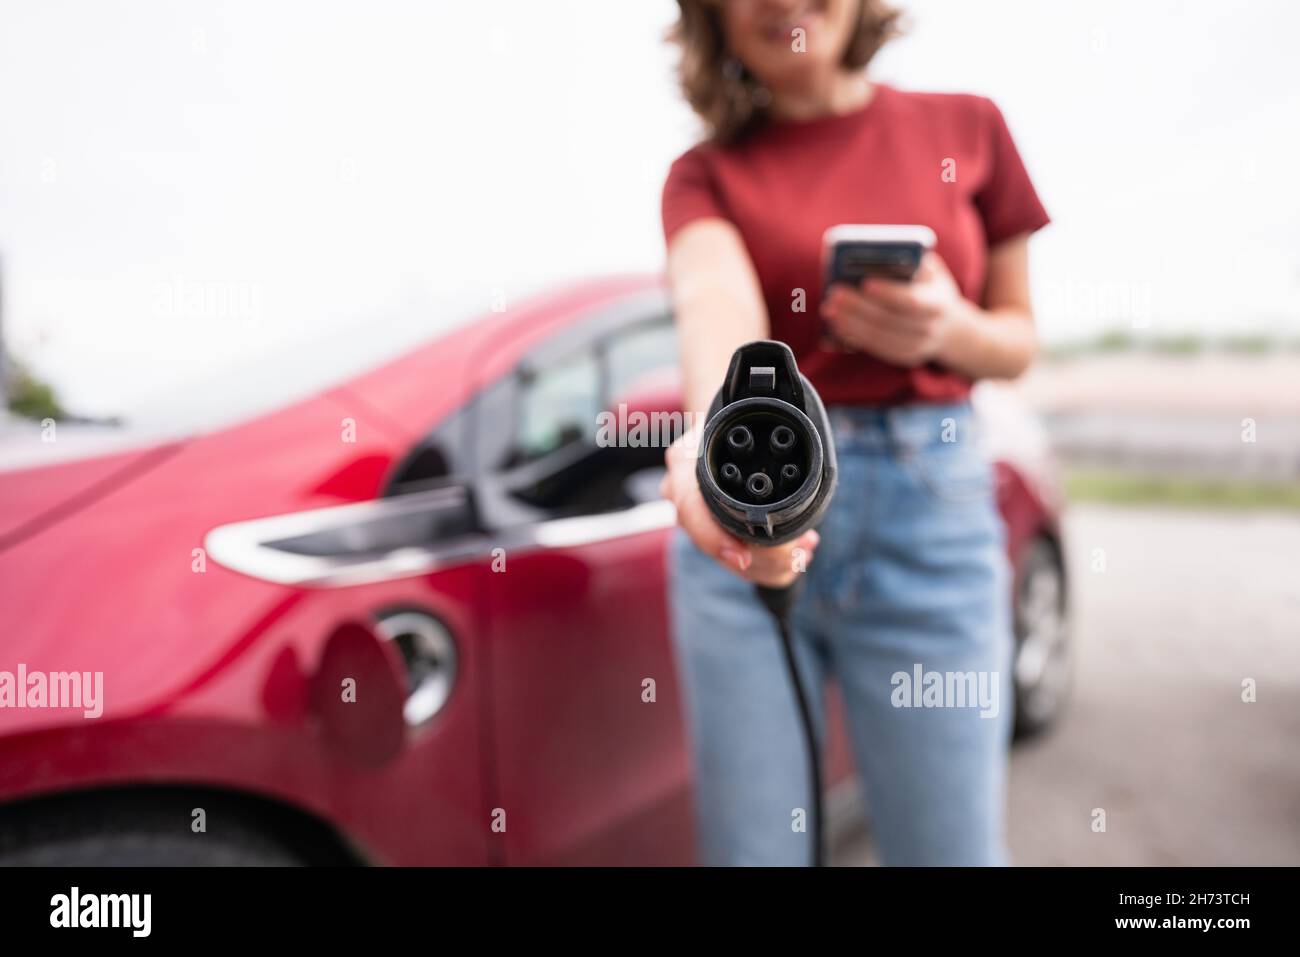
(1134, 488)
(28, 396)
(1117, 341)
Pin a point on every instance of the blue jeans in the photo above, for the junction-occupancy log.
(910, 579)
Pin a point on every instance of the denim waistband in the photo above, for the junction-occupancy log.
(900, 427)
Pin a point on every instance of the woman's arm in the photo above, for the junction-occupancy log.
(719, 306)
(718, 303)
(928, 319)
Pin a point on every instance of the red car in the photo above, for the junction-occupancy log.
(417, 617)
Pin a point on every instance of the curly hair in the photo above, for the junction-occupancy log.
(722, 92)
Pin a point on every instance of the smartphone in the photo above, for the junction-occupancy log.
(851, 253)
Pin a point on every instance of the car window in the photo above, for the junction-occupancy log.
(538, 432)
(632, 353)
(557, 407)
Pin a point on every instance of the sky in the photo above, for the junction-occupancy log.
(188, 187)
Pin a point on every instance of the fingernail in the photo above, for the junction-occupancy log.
(814, 538)
(737, 560)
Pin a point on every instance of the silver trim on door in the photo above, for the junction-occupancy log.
(250, 547)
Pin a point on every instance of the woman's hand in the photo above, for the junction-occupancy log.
(776, 566)
(904, 323)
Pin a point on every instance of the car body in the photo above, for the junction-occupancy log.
(419, 612)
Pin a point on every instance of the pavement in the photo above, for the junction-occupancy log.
(1173, 610)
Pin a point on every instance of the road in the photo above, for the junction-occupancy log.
(1185, 607)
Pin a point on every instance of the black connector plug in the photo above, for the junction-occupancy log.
(767, 463)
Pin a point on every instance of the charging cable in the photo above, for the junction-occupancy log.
(767, 472)
(780, 601)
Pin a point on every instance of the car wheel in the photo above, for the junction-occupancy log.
(1043, 662)
(143, 829)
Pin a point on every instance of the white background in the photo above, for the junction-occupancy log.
(311, 167)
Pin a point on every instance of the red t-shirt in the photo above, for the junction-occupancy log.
(946, 161)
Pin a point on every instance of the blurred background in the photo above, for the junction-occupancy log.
(189, 191)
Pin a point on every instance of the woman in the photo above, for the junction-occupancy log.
(907, 569)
